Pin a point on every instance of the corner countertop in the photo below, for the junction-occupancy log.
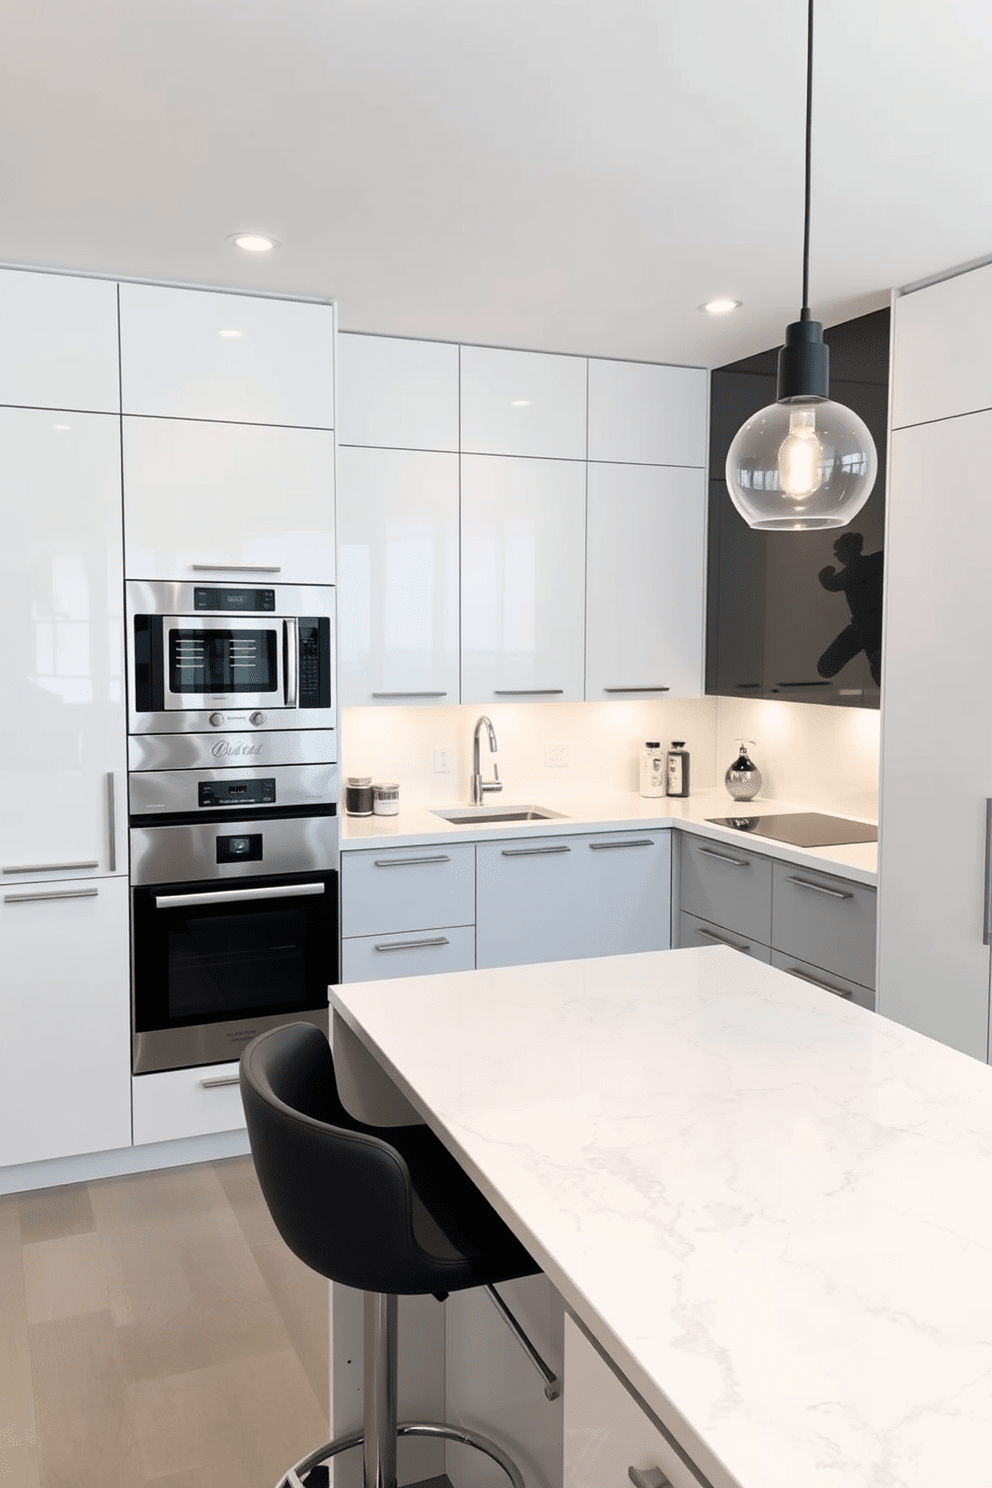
(770, 1208)
(421, 824)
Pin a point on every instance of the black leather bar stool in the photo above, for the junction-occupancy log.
(384, 1209)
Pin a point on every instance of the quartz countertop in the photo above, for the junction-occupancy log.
(771, 1208)
(421, 824)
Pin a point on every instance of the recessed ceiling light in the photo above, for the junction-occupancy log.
(520, 403)
(230, 333)
(252, 242)
(722, 305)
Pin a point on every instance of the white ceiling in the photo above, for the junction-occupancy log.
(573, 175)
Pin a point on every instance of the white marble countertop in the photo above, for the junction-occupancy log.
(421, 824)
(772, 1208)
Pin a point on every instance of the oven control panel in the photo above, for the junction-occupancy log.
(256, 792)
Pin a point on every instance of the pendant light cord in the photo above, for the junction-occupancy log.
(804, 314)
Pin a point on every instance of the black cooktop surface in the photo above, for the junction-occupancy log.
(802, 828)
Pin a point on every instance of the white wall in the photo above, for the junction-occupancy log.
(824, 758)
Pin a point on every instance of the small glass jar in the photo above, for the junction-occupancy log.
(386, 798)
(358, 795)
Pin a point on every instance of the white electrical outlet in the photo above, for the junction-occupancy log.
(556, 757)
(444, 760)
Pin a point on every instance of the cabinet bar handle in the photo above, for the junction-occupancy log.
(58, 894)
(737, 862)
(648, 1477)
(987, 935)
(408, 694)
(634, 842)
(532, 852)
(528, 691)
(413, 945)
(725, 940)
(48, 867)
(805, 976)
(637, 689)
(235, 568)
(237, 896)
(804, 883)
(219, 1080)
(409, 862)
(111, 823)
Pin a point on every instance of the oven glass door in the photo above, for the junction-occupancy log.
(213, 953)
(234, 661)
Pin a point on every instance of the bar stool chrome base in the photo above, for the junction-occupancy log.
(293, 1478)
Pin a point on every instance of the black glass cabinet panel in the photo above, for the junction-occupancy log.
(798, 615)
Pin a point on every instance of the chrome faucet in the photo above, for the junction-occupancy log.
(480, 786)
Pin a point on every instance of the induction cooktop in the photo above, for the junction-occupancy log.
(802, 828)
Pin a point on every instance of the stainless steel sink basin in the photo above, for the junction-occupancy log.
(471, 816)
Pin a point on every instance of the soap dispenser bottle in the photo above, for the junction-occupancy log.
(678, 769)
(652, 769)
(743, 779)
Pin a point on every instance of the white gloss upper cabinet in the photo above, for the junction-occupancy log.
(62, 753)
(646, 582)
(242, 497)
(397, 394)
(940, 364)
(523, 403)
(398, 576)
(192, 354)
(523, 579)
(65, 1065)
(646, 414)
(59, 339)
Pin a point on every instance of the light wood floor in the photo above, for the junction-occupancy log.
(155, 1329)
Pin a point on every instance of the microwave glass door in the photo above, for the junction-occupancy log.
(236, 661)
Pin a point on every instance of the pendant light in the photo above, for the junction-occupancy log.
(803, 462)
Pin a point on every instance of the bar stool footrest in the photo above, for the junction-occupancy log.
(294, 1478)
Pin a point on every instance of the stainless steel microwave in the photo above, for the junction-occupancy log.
(229, 657)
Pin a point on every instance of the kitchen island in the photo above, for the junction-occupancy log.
(769, 1208)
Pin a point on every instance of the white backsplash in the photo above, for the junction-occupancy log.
(826, 758)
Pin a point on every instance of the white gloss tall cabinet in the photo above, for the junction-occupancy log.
(936, 746)
(64, 1000)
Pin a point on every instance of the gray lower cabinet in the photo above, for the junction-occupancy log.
(370, 958)
(696, 932)
(560, 898)
(815, 925)
(407, 911)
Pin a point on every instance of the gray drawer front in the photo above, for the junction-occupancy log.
(412, 888)
(826, 921)
(372, 958)
(727, 886)
(695, 932)
(827, 981)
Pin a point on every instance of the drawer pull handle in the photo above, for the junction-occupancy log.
(528, 691)
(737, 862)
(805, 976)
(218, 1080)
(735, 945)
(532, 852)
(413, 945)
(408, 694)
(235, 568)
(59, 894)
(804, 883)
(48, 867)
(648, 1477)
(410, 862)
(637, 689)
(634, 842)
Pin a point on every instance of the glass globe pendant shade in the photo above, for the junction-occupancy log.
(800, 464)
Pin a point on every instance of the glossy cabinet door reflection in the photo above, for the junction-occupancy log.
(523, 403)
(59, 339)
(398, 579)
(63, 808)
(523, 579)
(397, 394)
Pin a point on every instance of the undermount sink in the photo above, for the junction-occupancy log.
(471, 816)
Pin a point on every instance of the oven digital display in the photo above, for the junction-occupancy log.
(244, 600)
(242, 848)
(217, 661)
(237, 792)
